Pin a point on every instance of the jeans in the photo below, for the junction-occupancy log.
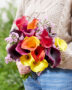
(50, 79)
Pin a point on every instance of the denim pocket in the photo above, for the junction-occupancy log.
(32, 84)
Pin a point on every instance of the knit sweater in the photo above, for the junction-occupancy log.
(59, 12)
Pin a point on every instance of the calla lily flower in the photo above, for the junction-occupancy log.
(61, 44)
(21, 21)
(53, 56)
(23, 25)
(20, 50)
(33, 24)
(39, 66)
(13, 53)
(45, 40)
(38, 54)
(30, 43)
(29, 32)
(27, 59)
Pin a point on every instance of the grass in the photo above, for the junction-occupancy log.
(9, 76)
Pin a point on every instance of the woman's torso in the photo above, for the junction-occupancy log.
(52, 9)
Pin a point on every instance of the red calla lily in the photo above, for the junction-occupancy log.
(38, 54)
(45, 40)
(20, 22)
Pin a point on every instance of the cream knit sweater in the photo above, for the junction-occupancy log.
(58, 12)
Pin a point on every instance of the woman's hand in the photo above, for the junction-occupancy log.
(22, 69)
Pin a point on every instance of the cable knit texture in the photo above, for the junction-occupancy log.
(59, 12)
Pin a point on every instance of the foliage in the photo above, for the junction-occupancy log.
(9, 76)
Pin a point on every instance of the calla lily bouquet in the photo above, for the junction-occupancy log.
(35, 44)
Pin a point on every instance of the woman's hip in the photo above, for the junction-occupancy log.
(51, 79)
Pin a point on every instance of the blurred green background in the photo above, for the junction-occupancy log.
(9, 76)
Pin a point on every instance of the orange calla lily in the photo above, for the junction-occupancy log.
(30, 43)
(33, 24)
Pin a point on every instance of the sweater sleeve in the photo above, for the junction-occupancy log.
(20, 12)
(64, 28)
(67, 55)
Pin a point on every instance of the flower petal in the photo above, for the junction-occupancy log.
(8, 59)
(61, 43)
(38, 54)
(29, 32)
(21, 21)
(53, 56)
(33, 24)
(30, 43)
(20, 50)
(26, 59)
(45, 40)
(13, 53)
(18, 32)
(44, 33)
(39, 66)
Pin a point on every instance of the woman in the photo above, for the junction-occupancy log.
(59, 12)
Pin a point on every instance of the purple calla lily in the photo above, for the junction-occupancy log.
(53, 56)
(20, 50)
(13, 53)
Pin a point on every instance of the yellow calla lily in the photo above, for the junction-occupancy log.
(39, 66)
(26, 59)
(61, 43)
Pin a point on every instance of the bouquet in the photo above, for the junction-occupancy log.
(35, 44)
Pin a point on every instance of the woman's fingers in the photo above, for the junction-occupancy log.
(22, 69)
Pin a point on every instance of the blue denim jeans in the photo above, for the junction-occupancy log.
(50, 79)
